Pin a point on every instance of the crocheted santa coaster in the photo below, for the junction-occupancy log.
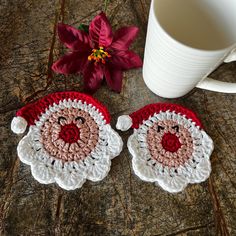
(69, 140)
(169, 145)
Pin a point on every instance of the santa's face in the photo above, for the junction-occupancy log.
(70, 143)
(70, 134)
(169, 143)
(171, 150)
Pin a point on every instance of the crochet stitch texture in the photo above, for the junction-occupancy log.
(169, 146)
(69, 139)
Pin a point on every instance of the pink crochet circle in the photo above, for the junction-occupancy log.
(69, 134)
(172, 152)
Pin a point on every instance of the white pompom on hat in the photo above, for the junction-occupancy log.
(18, 125)
(124, 122)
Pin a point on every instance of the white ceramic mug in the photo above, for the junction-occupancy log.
(187, 40)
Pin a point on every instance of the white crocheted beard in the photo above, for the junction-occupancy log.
(170, 150)
(70, 143)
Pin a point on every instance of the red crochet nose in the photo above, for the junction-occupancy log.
(69, 133)
(170, 142)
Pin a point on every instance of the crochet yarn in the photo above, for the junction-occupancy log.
(169, 146)
(69, 139)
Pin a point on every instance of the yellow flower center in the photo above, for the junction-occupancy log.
(99, 55)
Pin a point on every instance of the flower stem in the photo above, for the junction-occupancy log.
(105, 5)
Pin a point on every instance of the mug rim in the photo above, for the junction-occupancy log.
(184, 45)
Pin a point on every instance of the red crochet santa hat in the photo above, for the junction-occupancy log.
(137, 118)
(31, 113)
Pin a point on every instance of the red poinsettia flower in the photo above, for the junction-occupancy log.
(98, 54)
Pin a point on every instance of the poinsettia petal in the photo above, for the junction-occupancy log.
(73, 38)
(93, 75)
(71, 63)
(125, 60)
(123, 37)
(114, 78)
(100, 31)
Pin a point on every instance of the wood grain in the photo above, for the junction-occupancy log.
(121, 204)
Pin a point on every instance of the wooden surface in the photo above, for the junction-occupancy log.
(121, 204)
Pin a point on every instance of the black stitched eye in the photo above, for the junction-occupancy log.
(159, 128)
(176, 127)
(81, 119)
(61, 118)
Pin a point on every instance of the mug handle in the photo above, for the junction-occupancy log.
(219, 86)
